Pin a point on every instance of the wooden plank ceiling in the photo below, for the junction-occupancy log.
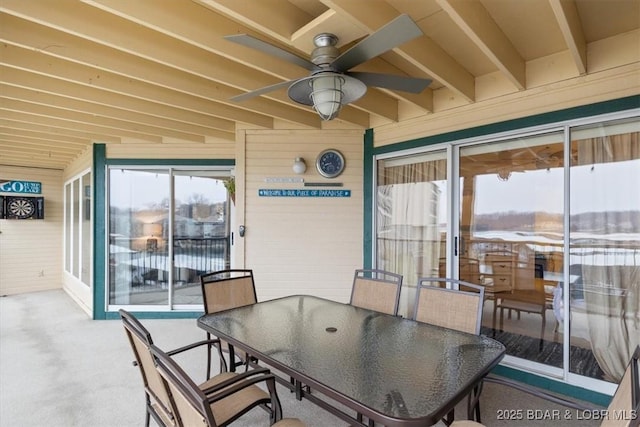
(159, 71)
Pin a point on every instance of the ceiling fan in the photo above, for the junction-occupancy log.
(330, 84)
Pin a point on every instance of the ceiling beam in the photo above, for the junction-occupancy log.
(279, 22)
(17, 147)
(67, 134)
(374, 102)
(97, 110)
(26, 59)
(53, 146)
(298, 30)
(109, 30)
(50, 41)
(477, 24)
(30, 162)
(566, 14)
(81, 117)
(17, 112)
(46, 138)
(148, 42)
(422, 52)
(46, 84)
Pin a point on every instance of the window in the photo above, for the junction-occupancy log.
(77, 227)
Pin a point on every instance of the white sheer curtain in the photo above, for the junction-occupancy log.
(408, 240)
(611, 260)
(407, 219)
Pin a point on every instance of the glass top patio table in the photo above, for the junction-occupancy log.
(394, 371)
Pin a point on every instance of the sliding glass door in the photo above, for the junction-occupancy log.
(511, 239)
(548, 222)
(166, 227)
(200, 232)
(604, 289)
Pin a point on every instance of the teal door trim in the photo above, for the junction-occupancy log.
(600, 108)
(100, 166)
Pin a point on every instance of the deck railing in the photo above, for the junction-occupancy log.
(191, 258)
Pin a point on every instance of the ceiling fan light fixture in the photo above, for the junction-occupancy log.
(326, 94)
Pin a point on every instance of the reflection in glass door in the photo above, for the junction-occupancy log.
(200, 232)
(511, 240)
(411, 219)
(549, 224)
(604, 288)
(166, 227)
(138, 216)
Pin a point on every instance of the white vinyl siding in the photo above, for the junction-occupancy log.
(31, 250)
(302, 245)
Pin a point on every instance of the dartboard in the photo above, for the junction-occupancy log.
(21, 208)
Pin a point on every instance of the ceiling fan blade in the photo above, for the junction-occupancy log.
(389, 81)
(395, 33)
(262, 90)
(254, 43)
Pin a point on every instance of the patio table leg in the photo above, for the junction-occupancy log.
(473, 404)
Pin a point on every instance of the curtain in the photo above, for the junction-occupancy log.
(408, 240)
(610, 261)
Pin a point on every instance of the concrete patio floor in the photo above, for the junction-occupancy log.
(60, 368)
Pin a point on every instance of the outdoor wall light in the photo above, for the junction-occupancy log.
(299, 166)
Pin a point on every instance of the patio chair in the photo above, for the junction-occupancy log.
(623, 410)
(223, 290)
(157, 397)
(377, 290)
(459, 309)
(217, 405)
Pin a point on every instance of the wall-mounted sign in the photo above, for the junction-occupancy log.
(268, 192)
(287, 179)
(30, 187)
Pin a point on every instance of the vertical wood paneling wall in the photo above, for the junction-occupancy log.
(31, 250)
(301, 245)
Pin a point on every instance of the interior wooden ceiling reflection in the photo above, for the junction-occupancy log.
(77, 72)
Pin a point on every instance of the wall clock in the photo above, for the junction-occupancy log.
(330, 163)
